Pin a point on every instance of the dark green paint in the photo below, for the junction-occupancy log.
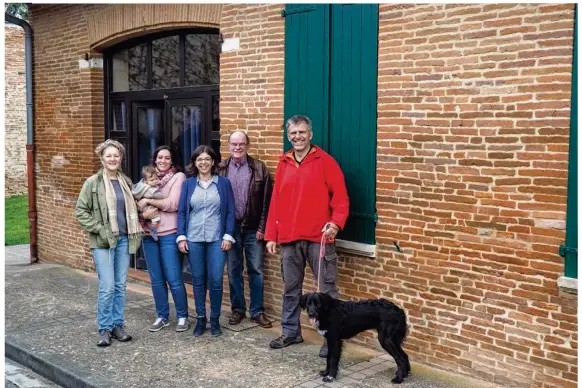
(307, 67)
(570, 249)
(299, 9)
(331, 72)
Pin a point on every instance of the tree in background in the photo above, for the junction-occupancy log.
(19, 10)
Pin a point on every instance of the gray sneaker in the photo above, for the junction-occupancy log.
(182, 324)
(120, 334)
(159, 324)
(104, 338)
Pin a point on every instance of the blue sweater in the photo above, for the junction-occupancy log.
(227, 219)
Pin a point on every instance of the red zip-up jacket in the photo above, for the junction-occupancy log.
(306, 196)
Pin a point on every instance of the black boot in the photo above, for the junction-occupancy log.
(215, 327)
(200, 327)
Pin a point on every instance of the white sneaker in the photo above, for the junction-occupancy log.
(182, 324)
(159, 324)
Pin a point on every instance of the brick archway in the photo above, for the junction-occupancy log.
(121, 22)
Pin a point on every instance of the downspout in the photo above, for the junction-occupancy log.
(30, 153)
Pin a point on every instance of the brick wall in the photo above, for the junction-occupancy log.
(14, 112)
(68, 125)
(251, 98)
(473, 125)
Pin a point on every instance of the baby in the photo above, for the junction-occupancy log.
(147, 187)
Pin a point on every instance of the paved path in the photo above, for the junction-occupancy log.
(17, 255)
(50, 327)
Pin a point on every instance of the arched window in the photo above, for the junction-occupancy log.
(163, 89)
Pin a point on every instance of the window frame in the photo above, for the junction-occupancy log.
(569, 250)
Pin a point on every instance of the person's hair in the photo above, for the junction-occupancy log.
(239, 131)
(148, 172)
(192, 169)
(298, 120)
(109, 143)
(173, 154)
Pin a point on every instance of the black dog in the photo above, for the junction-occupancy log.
(338, 320)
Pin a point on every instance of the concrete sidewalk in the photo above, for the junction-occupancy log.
(51, 328)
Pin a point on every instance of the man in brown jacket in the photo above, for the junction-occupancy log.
(252, 189)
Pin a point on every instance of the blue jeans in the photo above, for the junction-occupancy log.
(112, 265)
(254, 251)
(207, 266)
(165, 269)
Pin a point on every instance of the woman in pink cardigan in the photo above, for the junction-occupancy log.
(162, 256)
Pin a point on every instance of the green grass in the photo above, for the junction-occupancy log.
(16, 226)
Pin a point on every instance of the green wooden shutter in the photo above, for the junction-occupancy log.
(570, 249)
(307, 67)
(331, 72)
(353, 106)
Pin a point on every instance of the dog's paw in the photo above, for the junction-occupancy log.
(323, 373)
(328, 379)
(397, 380)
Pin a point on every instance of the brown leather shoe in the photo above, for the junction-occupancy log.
(262, 320)
(236, 317)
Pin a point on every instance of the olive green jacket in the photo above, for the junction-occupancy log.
(91, 211)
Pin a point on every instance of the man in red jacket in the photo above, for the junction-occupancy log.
(309, 198)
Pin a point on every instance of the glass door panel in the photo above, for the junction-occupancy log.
(186, 126)
(119, 130)
(187, 130)
(148, 119)
(148, 129)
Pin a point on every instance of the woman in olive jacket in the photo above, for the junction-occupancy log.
(106, 209)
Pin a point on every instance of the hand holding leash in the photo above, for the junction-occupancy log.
(330, 230)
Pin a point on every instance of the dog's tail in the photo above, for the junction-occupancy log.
(397, 316)
(402, 330)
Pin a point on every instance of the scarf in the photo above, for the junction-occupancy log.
(133, 226)
(165, 177)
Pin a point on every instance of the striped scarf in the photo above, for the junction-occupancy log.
(133, 226)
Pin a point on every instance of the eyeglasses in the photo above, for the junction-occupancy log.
(199, 160)
(236, 145)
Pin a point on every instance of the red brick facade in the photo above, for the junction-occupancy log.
(473, 130)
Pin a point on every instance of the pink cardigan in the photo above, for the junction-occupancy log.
(169, 210)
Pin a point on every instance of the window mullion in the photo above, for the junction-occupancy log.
(182, 49)
(149, 66)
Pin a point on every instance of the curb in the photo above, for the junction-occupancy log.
(47, 368)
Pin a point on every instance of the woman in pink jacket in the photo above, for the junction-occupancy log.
(162, 256)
